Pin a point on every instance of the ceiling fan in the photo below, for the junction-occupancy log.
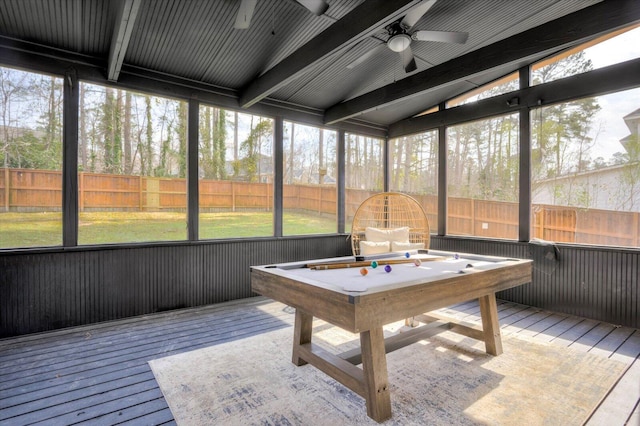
(245, 12)
(401, 37)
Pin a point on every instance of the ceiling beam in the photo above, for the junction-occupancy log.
(566, 31)
(598, 82)
(362, 21)
(121, 36)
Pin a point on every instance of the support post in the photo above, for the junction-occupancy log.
(278, 168)
(71, 104)
(193, 200)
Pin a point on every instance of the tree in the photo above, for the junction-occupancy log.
(560, 135)
(31, 120)
(146, 143)
(112, 131)
(12, 91)
(205, 148)
(181, 133)
(251, 149)
(213, 136)
(219, 144)
(128, 159)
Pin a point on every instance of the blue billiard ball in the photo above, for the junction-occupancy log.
(387, 268)
(407, 255)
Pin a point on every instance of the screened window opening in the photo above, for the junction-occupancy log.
(610, 49)
(235, 172)
(364, 171)
(131, 167)
(503, 85)
(310, 180)
(414, 171)
(30, 159)
(482, 172)
(586, 170)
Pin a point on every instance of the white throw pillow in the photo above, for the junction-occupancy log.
(374, 247)
(393, 234)
(405, 246)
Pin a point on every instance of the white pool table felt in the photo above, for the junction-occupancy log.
(351, 280)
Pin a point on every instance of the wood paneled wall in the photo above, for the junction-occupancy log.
(53, 289)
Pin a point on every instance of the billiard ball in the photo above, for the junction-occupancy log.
(374, 264)
(417, 262)
(387, 268)
(407, 255)
(363, 271)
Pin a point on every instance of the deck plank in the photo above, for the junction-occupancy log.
(99, 375)
(558, 329)
(621, 401)
(99, 352)
(574, 333)
(593, 337)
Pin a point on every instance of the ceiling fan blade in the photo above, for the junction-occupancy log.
(414, 14)
(366, 56)
(318, 7)
(408, 61)
(441, 36)
(245, 12)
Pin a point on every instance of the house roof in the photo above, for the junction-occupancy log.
(290, 58)
(633, 116)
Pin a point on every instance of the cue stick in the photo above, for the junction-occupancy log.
(360, 264)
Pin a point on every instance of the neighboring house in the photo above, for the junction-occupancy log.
(605, 189)
(609, 188)
(264, 170)
(633, 123)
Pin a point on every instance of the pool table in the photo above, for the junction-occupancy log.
(340, 292)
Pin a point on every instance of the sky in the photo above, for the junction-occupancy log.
(615, 106)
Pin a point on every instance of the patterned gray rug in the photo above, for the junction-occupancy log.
(447, 380)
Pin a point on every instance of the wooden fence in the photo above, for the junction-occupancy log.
(40, 190)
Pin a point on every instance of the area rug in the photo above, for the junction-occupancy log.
(446, 380)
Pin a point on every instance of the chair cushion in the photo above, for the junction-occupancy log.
(405, 246)
(391, 234)
(374, 247)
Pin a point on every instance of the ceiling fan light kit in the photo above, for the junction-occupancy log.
(399, 43)
(400, 37)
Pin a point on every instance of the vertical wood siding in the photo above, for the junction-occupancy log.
(55, 289)
(591, 282)
(51, 290)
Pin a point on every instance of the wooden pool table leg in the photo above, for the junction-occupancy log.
(490, 324)
(376, 381)
(301, 334)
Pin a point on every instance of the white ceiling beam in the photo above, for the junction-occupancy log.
(121, 36)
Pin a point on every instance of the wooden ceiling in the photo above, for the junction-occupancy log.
(290, 58)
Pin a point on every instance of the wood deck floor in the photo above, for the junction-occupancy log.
(99, 374)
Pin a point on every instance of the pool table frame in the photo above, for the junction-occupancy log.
(366, 313)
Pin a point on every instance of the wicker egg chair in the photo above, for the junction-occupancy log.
(390, 210)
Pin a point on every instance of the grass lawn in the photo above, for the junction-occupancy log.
(45, 229)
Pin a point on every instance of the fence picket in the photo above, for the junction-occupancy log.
(41, 190)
